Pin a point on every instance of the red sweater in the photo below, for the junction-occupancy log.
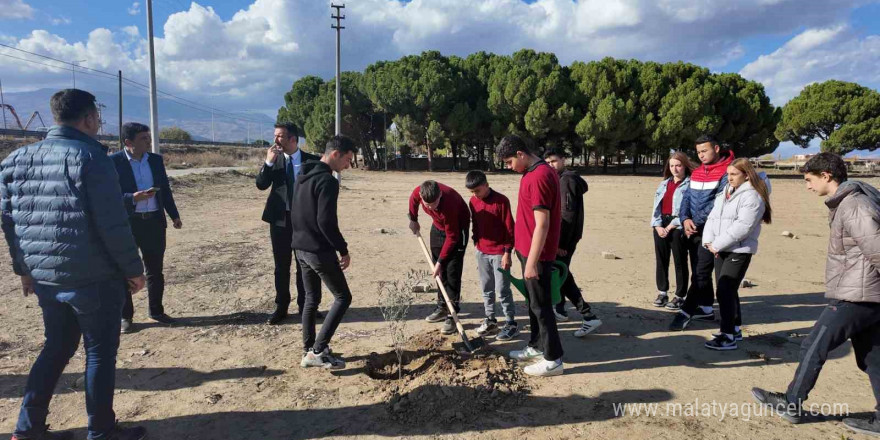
(538, 189)
(493, 223)
(452, 216)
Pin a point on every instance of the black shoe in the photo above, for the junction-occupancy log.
(47, 435)
(863, 426)
(163, 318)
(277, 317)
(779, 404)
(448, 327)
(126, 326)
(738, 336)
(438, 315)
(319, 315)
(133, 433)
(661, 300)
(721, 342)
(680, 322)
(700, 315)
(508, 332)
(675, 304)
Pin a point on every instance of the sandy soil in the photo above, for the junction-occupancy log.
(221, 372)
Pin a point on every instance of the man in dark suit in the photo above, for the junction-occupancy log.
(283, 162)
(147, 196)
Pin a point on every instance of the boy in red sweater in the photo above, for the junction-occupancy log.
(449, 235)
(537, 230)
(494, 240)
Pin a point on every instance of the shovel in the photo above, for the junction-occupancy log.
(560, 273)
(470, 345)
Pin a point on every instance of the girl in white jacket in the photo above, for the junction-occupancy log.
(731, 233)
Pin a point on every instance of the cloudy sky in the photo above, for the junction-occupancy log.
(244, 54)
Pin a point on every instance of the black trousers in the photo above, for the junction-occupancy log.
(149, 235)
(730, 269)
(841, 320)
(542, 322)
(324, 267)
(673, 243)
(700, 293)
(282, 252)
(452, 269)
(571, 290)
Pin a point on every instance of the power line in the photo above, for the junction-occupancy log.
(207, 109)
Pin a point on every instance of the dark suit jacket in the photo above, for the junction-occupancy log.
(276, 177)
(164, 198)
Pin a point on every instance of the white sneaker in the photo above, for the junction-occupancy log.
(559, 316)
(545, 368)
(324, 359)
(587, 327)
(526, 354)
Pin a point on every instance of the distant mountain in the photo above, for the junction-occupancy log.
(136, 107)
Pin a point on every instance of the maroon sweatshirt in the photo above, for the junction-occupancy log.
(452, 217)
(493, 223)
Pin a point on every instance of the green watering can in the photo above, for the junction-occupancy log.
(560, 273)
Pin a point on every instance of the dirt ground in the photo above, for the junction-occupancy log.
(221, 372)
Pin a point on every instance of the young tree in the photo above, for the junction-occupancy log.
(175, 134)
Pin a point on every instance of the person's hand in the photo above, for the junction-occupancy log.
(690, 228)
(344, 262)
(531, 272)
(505, 261)
(27, 285)
(661, 231)
(143, 195)
(561, 252)
(670, 228)
(438, 269)
(136, 284)
(711, 249)
(177, 223)
(414, 227)
(272, 153)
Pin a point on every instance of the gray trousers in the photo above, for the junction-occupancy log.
(493, 282)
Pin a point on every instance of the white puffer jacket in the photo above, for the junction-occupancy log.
(735, 224)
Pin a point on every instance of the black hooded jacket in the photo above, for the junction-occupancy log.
(573, 188)
(315, 225)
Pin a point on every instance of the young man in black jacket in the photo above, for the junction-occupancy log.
(572, 188)
(317, 240)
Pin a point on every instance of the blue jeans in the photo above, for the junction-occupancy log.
(95, 312)
(494, 283)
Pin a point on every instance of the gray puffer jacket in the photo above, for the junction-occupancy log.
(851, 269)
(735, 224)
(62, 212)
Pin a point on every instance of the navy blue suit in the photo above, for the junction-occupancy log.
(148, 228)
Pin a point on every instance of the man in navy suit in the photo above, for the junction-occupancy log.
(283, 161)
(147, 197)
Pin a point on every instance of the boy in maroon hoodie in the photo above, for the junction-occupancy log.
(449, 235)
(493, 238)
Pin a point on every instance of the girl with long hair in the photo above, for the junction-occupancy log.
(667, 231)
(731, 233)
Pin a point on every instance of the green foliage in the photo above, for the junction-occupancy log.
(175, 134)
(845, 116)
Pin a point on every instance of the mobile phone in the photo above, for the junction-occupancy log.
(153, 189)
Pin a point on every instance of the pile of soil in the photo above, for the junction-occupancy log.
(441, 384)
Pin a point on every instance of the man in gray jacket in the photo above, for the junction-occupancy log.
(852, 283)
(71, 244)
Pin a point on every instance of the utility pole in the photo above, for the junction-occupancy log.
(338, 26)
(73, 70)
(120, 112)
(248, 138)
(2, 105)
(154, 110)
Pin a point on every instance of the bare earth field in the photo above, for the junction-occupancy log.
(221, 372)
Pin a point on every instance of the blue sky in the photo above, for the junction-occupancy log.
(244, 54)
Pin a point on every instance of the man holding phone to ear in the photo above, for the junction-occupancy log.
(147, 197)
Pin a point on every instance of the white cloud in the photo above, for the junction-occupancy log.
(816, 55)
(134, 9)
(250, 59)
(59, 20)
(15, 10)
